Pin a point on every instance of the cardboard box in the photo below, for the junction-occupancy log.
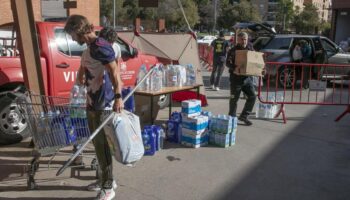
(249, 63)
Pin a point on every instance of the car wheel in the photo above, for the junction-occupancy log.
(164, 101)
(286, 77)
(13, 125)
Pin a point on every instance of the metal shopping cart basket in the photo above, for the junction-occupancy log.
(54, 124)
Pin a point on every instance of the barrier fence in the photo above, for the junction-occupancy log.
(305, 83)
(206, 55)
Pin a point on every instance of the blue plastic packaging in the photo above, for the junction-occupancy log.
(129, 105)
(149, 140)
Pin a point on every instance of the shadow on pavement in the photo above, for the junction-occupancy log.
(47, 198)
(312, 161)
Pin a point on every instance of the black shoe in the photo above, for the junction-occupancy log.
(245, 120)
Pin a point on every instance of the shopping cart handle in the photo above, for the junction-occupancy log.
(110, 116)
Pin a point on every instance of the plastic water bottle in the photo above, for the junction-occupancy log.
(172, 76)
(190, 75)
(142, 73)
(162, 138)
(156, 79)
(164, 70)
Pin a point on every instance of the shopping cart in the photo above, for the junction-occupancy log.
(54, 124)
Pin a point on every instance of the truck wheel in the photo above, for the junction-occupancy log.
(164, 101)
(13, 125)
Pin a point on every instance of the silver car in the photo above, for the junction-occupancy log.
(278, 48)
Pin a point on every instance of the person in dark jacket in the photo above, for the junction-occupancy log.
(220, 47)
(240, 83)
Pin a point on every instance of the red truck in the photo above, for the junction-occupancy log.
(60, 60)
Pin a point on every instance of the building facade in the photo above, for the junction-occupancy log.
(44, 9)
(340, 20)
(268, 8)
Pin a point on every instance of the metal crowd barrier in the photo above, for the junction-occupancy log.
(305, 83)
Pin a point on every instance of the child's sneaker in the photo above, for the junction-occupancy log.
(97, 187)
(105, 194)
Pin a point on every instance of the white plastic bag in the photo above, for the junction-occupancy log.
(124, 137)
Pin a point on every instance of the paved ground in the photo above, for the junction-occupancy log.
(306, 159)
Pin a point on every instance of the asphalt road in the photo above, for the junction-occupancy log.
(306, 159)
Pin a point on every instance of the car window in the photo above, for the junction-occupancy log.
(260, 43)
(279, 43)
(330, 49)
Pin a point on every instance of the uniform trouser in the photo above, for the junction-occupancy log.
(102, 150)
(218, 69)
(241, 83)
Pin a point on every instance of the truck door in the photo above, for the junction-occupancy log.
(65, 56)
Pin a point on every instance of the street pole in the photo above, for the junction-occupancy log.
(284, 22)
(215, 4)
(113, 13)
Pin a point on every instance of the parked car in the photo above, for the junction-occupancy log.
(206, 39)
(278, 48)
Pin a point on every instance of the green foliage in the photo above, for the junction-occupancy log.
(243, 11)
(285, 14)
(307, 22)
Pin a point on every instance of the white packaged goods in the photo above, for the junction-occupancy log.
(233, 137)
(142, 73)
(124, 137)
(195, 140)
(223, 124)
(190, 75)
(191, 108)
(181, 76)
(192, 132)
(269, 111)
(156, 79)
(195, 123)
(172, 76)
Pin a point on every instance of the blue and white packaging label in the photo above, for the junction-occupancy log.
(195, 123)
(191, 107)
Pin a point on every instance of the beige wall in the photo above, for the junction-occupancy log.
(6, 11)
(88, 8)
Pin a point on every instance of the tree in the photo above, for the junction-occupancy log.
(307, 22)
(171, 12)
(285, 14)
(240, 12)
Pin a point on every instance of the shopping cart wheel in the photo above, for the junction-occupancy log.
(94, 164)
